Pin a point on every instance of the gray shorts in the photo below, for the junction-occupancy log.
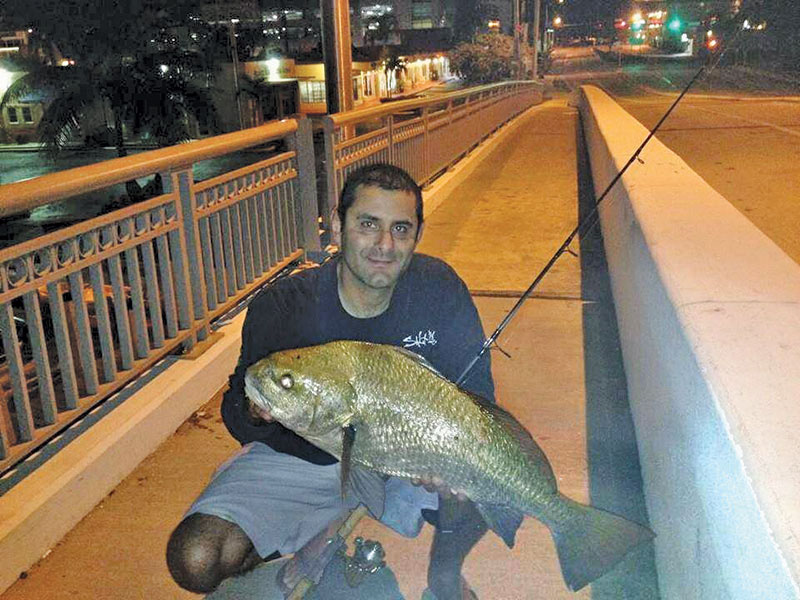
(281, 501)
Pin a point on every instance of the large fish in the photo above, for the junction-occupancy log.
(387, 410)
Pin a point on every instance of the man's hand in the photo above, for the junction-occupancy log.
(256, 413)
(438, 486)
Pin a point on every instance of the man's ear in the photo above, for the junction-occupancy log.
(336, 228)
(420, 230)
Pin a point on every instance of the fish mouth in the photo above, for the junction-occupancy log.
(252, 392)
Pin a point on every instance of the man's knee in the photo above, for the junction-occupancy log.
(203, 550)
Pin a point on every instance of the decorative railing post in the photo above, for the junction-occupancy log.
(182, 182)
(179, 258)
(16, 369)
(390, 149)
(305, 185)
(426, 140)
(331, 172)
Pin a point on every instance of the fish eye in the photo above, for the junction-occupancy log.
(286, 381)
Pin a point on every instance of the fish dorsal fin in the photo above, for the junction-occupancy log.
(529, 446)
(417, 358)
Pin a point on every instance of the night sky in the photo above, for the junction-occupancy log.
(573, 9)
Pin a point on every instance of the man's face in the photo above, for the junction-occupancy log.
(378, 237)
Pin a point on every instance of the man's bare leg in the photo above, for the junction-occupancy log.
(204, 550)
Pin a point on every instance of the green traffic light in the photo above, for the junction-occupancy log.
(674, 24)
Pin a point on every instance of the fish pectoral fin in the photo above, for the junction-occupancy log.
(370, 488)
(503, 520)
(348, 439)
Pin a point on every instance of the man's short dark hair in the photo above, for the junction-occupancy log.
(384, 176)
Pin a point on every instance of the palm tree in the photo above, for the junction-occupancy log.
(149, 98)
(115, 67)
(393, 65)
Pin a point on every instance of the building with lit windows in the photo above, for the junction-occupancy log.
(296, 86)
(501, 15)
(424, 14)
(19, 117)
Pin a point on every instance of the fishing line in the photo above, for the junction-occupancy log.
(585, 224)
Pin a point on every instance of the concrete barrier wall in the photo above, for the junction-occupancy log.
(709, 317)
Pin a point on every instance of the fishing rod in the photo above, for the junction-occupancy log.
(306, 583)
(588, 221)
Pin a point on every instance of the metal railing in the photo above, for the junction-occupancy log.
(423, 136)
(86, 309)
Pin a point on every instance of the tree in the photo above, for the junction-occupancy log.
(379, 28)
(487, 58)
(470, 17)
(152, 97)
(117, 65)
(393, 64)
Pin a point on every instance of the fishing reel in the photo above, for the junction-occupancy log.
(368, 557)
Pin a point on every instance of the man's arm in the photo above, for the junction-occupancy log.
(268, 327)
(241, 421)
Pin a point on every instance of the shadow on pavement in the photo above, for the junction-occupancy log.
(615, 481)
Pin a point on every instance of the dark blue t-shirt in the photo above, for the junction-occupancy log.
(430, 313)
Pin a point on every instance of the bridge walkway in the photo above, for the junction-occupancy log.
(560, 372)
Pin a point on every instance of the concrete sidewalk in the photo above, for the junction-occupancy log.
(563, 379)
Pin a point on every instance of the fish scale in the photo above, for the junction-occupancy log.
(402, 418)
(422, 451)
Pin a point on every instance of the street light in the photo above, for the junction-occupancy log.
(6, 80)
(558, 22)
(674, 25)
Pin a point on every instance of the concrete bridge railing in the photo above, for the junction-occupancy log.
(709, 318)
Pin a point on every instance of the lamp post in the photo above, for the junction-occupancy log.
(235, 58)
(537, 35)
(517, 53)
(337, 53)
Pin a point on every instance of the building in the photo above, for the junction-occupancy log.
(217, 12)
(424, 14)
(20, 117)
(288, 86)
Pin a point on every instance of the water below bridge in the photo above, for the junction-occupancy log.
(22, 165)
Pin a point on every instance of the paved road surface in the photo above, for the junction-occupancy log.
(737, 130)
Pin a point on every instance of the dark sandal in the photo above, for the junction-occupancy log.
(467, 593)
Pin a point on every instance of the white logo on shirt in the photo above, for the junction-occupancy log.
(423, 338)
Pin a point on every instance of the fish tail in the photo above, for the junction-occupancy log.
(590, 541)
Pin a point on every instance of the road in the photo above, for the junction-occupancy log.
(736, 129)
